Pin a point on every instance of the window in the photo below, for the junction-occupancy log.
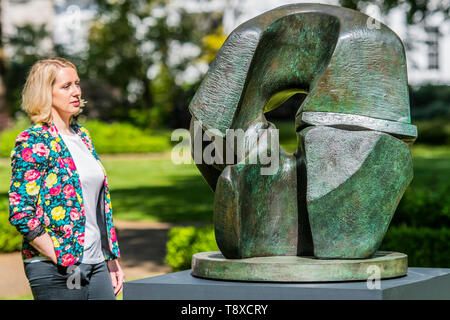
(433, 47)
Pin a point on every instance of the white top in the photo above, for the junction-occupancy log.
(92, 179)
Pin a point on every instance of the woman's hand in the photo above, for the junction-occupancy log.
(116, 274)
(44, 245)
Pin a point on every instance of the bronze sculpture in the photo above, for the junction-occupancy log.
(335, 197)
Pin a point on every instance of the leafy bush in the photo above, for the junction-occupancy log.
(8, 136)
(186, 241)
(425, 247)
(108, 138)
(435, 131)
(424, 207)
(429, 101)
(10, 238)
(126, 138)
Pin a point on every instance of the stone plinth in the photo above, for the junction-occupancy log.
(419, 283)
(213, 265)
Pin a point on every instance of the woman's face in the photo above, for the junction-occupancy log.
(66, 92)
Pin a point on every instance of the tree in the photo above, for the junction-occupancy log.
(3, 104)
(141, 49)
(28, 45)
(416, 10)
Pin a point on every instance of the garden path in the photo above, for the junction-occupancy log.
(142, 245)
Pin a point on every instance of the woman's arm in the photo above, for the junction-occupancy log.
(117, 275)
(29, 159)
(44, 245)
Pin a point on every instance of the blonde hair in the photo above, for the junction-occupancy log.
(37, 92)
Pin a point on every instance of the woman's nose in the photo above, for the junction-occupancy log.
(76, 91)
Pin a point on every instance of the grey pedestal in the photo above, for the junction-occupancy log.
(420, 283)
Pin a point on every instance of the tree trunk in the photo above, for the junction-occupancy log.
(4, 114)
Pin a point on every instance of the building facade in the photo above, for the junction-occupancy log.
(427, 44)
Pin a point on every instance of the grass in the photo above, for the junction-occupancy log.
(431, 166)
(157, 190)
(149, 188)
(152, 188)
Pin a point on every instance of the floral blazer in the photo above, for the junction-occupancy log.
(46, 196)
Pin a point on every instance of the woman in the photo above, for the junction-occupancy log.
(59, 196)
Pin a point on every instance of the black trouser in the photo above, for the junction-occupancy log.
(79, 282)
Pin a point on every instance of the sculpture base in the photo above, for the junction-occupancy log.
(383, 265)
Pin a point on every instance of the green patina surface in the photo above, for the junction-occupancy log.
(336, 196)
(350, 218)
(252, 216)
(213, 265)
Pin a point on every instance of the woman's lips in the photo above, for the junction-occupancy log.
(75, 103)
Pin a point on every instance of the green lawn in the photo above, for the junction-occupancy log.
(158, 190)
(149, 187)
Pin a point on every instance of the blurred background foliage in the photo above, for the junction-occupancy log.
(140, 72)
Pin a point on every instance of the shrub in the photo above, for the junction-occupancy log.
(424, 207)
(10, 238)
(108, 138)
(8, 136)
(435, 131)
(429, 101)
(126, 138)
(186, 241)
(425, 247)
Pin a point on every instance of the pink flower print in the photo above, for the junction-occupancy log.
(70, 162)
(65, 178)
(46, 220)
(19, 215)
(69, 203)
(67, 259)
(47, 196)
(53, 131)
(24, 136)
(14, 198)
(33, 223)
(61, 162)
(69, 191)
(54, 191)
(112, 234)
(74, 214)
(80, 239)
(32, 175)
(41, 150)
(26, 155)
(67, 231)
(39, 211)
